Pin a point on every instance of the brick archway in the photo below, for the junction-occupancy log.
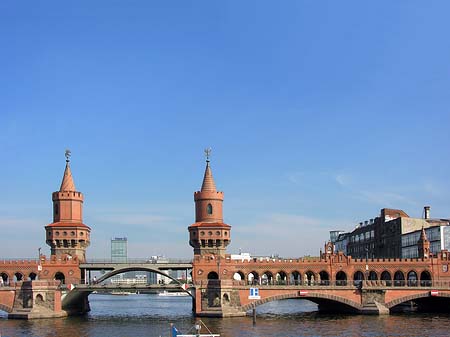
(425, 294)
(312, 296)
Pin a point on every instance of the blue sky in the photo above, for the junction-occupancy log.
(319, 113)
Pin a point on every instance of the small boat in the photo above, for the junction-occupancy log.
(196, 329)
(166, 293)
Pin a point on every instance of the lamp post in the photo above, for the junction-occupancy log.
(39, 263)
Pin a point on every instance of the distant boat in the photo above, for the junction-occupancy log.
(121, 293)
(166, 293)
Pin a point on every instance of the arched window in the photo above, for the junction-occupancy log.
(60, 276)
(341, 279)
(213, 276)
(425, 279)
(209, 209)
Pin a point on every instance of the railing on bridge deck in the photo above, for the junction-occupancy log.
(139, 261)
(333, 284)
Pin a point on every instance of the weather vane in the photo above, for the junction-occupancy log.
(208, 153)
(68, 153)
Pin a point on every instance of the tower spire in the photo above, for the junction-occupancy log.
(67, 183)
(208, 180)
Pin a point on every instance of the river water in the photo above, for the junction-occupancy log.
(151, 315)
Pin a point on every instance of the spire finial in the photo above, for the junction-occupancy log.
(208, 153)
(68, 154)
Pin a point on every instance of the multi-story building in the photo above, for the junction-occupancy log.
(438, 236)
(119, 250)
(382, 237)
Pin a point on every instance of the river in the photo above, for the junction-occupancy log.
(150, 316)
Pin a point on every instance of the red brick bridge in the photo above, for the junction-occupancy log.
(223, 286)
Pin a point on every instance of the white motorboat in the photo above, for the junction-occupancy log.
(166, 293)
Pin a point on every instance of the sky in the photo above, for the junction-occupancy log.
(318, 113)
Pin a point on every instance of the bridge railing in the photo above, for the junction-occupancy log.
(139, 261)
(332, 284)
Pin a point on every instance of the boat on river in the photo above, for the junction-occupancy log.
(166, 293)
(196, 329)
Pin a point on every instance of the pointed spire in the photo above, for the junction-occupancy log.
(208, 180)
(67, 183)
(423, 235)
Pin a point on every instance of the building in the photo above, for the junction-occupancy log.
(438, 236)
(386, 236)
(67, 235)
(119, 252)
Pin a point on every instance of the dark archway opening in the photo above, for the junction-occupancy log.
(60, 277)
(213, 275)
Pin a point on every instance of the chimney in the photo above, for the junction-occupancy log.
(426, 212)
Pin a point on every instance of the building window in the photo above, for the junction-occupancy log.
(55, 209)
(209, 209)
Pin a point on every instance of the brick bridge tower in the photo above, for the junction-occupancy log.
(209, 235)
(423, 245)
(67, 235)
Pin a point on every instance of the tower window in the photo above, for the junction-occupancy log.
(55, 209)
(209, 209)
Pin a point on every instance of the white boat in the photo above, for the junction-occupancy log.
(196, 328)
(166, 293)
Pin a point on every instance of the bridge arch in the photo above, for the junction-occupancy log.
(341, 278)
(309, 277)
(421, 295)
(318, 298)
(324, 278)
(5, 277)
(267, 278)
(373, 275)
(127, 269)
(295, 278)
(239, 276)
(281, 277)
(412, 278)
(425, 278)
(399, 278)
(386, 277)
(32, 276)
(253, 278)
(18, 276)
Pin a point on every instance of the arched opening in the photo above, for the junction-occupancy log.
(209, 209)
(399, 279)
(324, 278)
(39, 299)
(226, 298)
(386, 277)
(214, 300)
(4, 279)
(60, 276)
(373, 275)
(18, 277)
(32, 276)
(295, 278)
(238, 276)
(412, 279)
(341, 278)
(281, 278)
(267, 278)
(253, 278)
(425, 279)
(213, 275)
(309, 278)
(358, 277)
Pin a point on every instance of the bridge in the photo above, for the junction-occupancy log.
(222, 286)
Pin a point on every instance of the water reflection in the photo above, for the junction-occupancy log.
(150, 315)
